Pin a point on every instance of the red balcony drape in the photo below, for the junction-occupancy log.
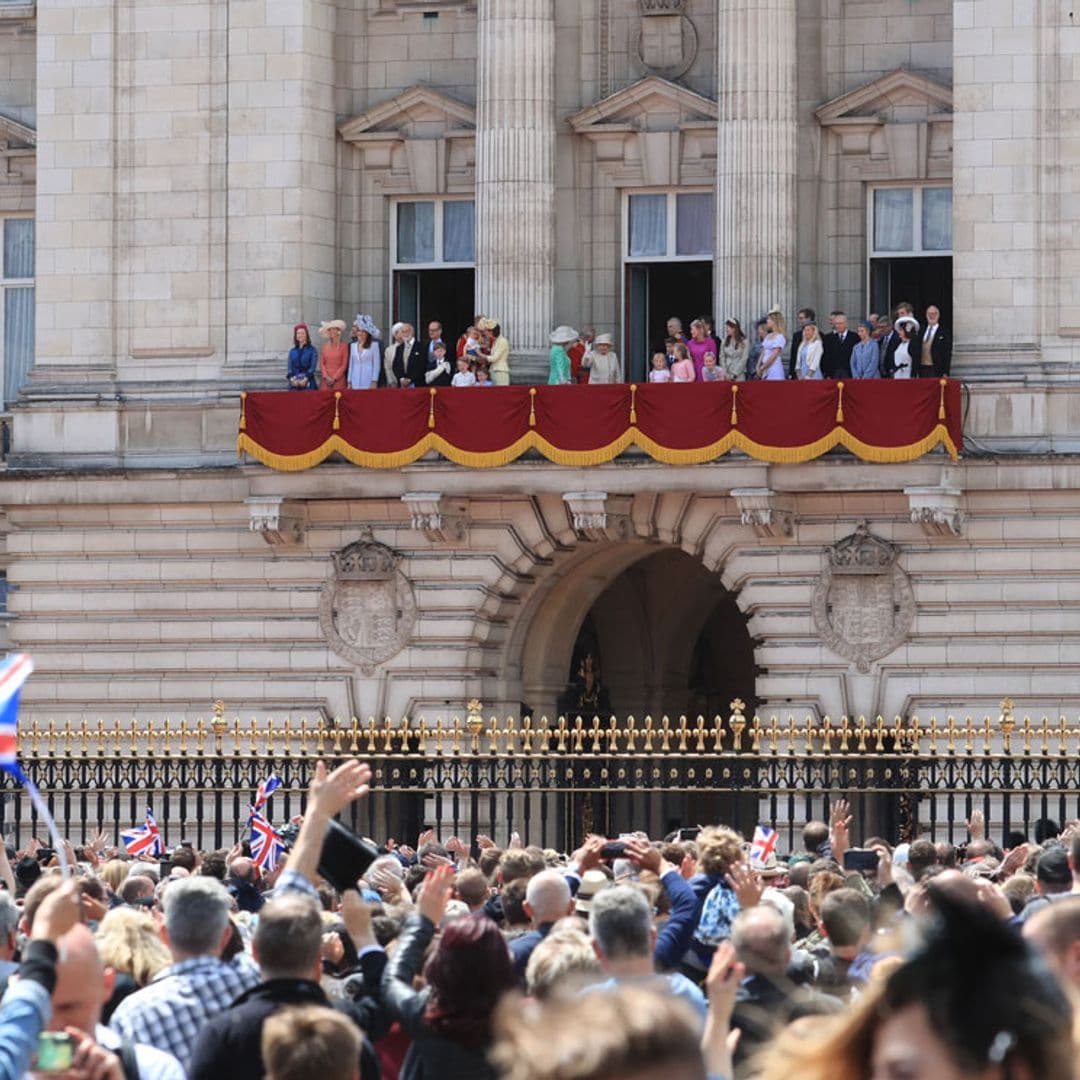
(481, 427)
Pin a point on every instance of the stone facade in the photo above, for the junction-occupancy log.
(204, 175)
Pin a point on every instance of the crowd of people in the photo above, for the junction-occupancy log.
(899, 347)
(692, 955)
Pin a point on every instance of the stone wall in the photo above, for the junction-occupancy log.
(158, 598)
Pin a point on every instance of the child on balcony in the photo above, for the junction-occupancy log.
(682, 371)
(660, 372)
(464, 375)
(710, 371)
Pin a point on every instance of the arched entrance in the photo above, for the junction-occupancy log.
(664, 636)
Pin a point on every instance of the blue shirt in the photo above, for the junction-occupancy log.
(865, 360)
(674, 983)
(24, 1012)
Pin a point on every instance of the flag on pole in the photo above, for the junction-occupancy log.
(15, 669)
(763, 846)
(266, 844)
(265, 789)
(144, 839)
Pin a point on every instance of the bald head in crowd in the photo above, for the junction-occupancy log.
(760, 937)
(547, 897)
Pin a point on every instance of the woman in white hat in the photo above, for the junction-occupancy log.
(560, 359)
(365, 363)
(390, 353)
(602, 362)
(334, 357)
(907, 327)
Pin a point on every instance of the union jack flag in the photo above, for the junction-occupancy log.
(265, 789)
(14, 671)
(762, 846)
(266, 844)
(144, 839)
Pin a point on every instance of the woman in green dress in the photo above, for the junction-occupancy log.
(560, 358)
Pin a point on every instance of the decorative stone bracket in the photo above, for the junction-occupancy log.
(277, 519)
(768, 514)
(435, 517)
(598, 516)
(936, 509)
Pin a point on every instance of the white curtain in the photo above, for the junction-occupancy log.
(893, 219)
(937, 219)
(19, 248)
(416, 232)
(648, 225)
(459, 231)
(694, 223)
(18, 339)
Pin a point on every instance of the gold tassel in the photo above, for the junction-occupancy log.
(431, 410)
(337, 410)
(840, 403)
(633, 404)
(532, 406)
(941, 403)
(243, 410)
(734, 405)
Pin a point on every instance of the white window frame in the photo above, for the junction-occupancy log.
(438, 264)
(10, 283)
(672, 223)
(918, 251)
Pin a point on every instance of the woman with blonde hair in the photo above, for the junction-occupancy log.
(334, 357)
(771, 362)
(113, 873)
(129, 942)
(721, 862)
(811, 351)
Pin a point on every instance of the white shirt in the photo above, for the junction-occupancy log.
(463, 378)
(902, 360)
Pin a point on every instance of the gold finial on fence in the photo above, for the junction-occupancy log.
(475, 723)
(737, 722)
(218, 724)
(1007, 723)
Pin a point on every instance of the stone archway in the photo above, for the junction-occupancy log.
(669, 638)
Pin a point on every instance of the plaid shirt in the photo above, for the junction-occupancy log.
(170, 1011)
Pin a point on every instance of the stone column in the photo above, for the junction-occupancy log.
(515, 176)
(1003, 170)
(757, 132)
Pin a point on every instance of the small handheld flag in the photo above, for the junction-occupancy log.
(266, 788)
(144, 839)
(763, 846)
(15, 669)
(267, 845)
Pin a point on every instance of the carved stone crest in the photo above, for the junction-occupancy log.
(666, 41)
(367, 609)
(863, 604)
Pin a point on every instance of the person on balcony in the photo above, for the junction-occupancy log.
(906, 352)
(771, 362)
(303, 360)
(497, 353)
(334, 358)
(734, 351)
(409, 363)
(560, 360)
(438, 366)
(811, 351)
(682, 371)
(866, 356)
(365, 363)
(699, 345)
(602, 363)
(935, 347)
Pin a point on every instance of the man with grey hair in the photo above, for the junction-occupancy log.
(623, 935)
(9, 926)
(767, 999)
(287, 947)
(547, 900)
(172, 1009)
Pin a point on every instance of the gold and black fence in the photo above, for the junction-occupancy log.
(552, 781)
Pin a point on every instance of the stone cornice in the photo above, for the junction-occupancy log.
(638, 100)
(418, 103)
(899, 87)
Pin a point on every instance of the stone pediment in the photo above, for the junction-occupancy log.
(16, 135)
(900, 95)
(419, 112)
(650, 104)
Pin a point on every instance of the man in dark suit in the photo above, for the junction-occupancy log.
(410, 361)
(839, 345)
(935, 354)
(892, 341)
(806, 315)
